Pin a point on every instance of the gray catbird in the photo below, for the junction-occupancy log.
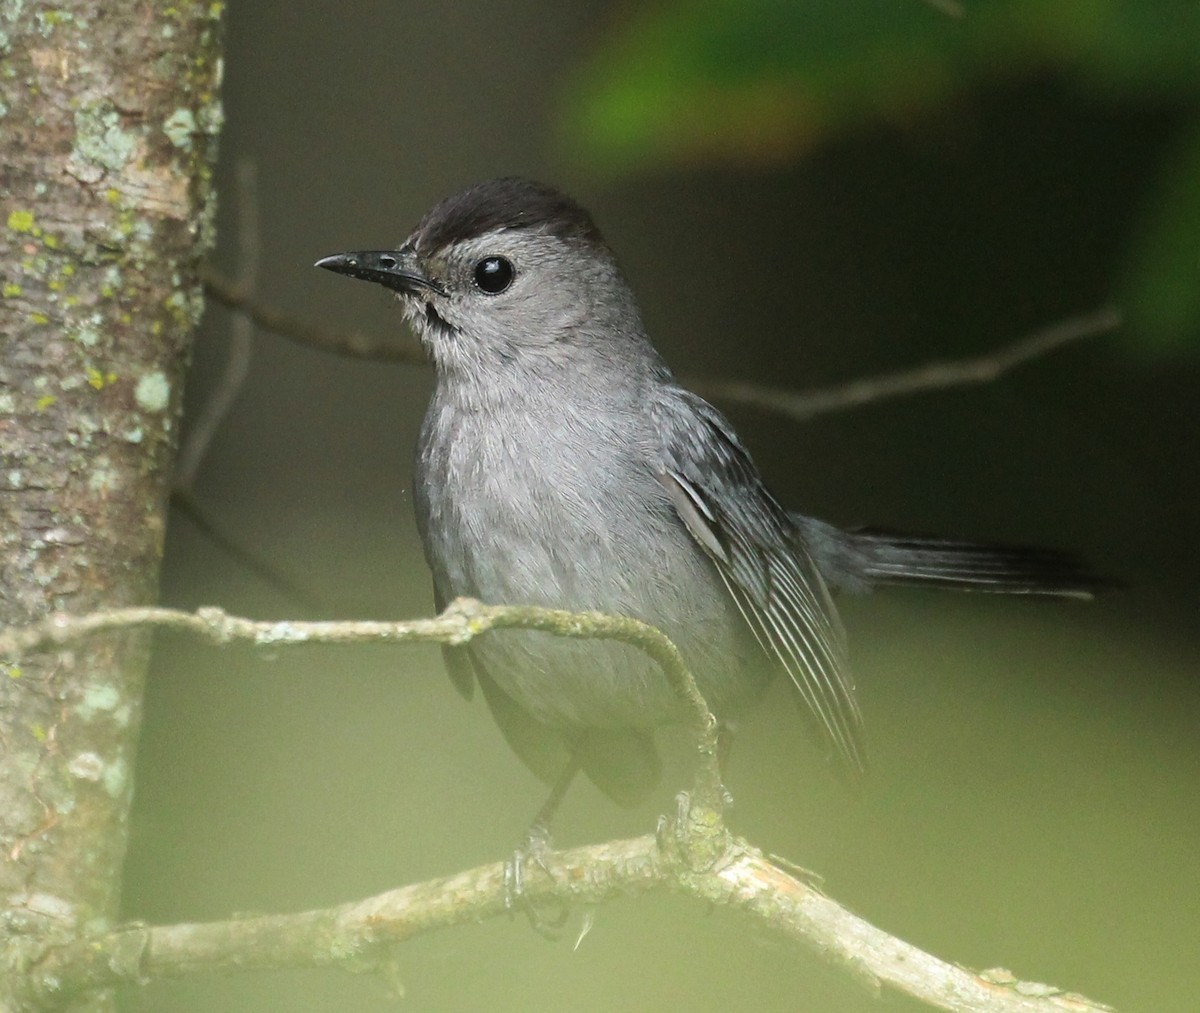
(561, 464)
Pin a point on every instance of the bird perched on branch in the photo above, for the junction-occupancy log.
(560, 464)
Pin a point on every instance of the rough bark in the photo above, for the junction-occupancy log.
(109, 111)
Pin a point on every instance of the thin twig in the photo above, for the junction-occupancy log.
(350, 344)
(798, 405)
(241, 337)
(306, 599)
(931, 376)
(461, 621)
(224, 393)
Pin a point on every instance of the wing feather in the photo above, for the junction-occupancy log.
(764, 564)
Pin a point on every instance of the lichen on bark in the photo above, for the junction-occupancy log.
(109, 113)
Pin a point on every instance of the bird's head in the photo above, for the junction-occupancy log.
(507, 271)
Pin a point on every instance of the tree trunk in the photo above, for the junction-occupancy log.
(109, 112)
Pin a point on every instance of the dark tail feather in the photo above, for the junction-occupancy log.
(856, 560)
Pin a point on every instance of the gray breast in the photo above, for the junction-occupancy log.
(541, 508)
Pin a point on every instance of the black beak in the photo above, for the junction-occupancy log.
(394, 269)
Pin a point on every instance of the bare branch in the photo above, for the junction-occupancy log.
(463, 620)
(350, 344)
(221, 399)
(798, 405)
(931, 376)
(308, 601)
(241, 337)
(357, 935)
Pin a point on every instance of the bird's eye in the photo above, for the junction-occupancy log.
(494, 274)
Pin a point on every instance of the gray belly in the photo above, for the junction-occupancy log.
(590, 548)
(597, 683)
(566, 685)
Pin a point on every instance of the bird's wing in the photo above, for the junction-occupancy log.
(719, 495)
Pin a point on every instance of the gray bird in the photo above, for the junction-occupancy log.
(560, 464)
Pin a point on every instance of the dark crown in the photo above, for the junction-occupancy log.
(508, 203)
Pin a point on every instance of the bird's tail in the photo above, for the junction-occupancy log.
(857, 560)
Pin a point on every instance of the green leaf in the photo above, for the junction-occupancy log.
(762, 80)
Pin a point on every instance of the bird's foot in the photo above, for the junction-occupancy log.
(533, 851)
(696, 836)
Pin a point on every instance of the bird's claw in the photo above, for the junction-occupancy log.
(695, 836)
(534, 849)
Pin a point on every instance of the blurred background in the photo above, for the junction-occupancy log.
(801, 194)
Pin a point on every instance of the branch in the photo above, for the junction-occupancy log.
(462, 621)
(931, 376)
(798, 405)
(357, 936)
(350, 344)
(241, 338)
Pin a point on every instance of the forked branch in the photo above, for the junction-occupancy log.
(360, 936)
